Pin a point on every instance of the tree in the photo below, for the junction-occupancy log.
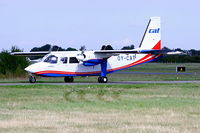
(42, 48)
(12, 64)
(108, 47)
(128, 47)
(57, 48)
(166, 48)
(71, 49)
(103, 47)
(47, 47)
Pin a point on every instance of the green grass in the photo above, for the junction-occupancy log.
(100, 108)
(104, 108)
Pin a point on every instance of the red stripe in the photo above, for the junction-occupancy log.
(63, 72)
(157, 46)
(129, 65)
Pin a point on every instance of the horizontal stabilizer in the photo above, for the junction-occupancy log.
(135, 51)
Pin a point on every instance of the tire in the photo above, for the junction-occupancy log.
(99, 79)
(102, 79)
(69, 79)
(32, 79)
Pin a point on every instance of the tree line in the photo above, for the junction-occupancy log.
(191, 56)
(11, 66)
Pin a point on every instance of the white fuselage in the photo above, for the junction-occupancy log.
(70, 63)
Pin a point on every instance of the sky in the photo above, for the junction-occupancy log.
(93, 23)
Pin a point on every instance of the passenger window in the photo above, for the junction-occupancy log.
(73, 60)
(64, 60)
(51, 59)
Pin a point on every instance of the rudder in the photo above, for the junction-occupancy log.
(152, 36)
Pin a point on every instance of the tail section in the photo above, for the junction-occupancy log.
(152, 37)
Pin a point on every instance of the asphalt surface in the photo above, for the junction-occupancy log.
(109, 83)
(119, 82)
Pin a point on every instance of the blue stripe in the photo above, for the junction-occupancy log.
(64, 75)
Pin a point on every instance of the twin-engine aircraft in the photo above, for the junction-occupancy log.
(99, 63)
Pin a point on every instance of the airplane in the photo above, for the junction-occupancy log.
(69, 64)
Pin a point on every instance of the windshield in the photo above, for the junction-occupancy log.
(51, 59)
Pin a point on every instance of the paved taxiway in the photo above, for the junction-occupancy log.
(109, 83)
(120, 82)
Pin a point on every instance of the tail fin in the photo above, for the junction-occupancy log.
(152, 37)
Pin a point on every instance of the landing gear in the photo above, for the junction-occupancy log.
(69, 79)
(32, 79)
(102, 79)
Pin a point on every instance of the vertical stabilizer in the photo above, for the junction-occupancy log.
(152, 35)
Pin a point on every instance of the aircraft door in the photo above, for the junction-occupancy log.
(73, 63)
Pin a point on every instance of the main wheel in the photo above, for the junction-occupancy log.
(32, 79)
(69, 79)
(102, 79)
(99, 79)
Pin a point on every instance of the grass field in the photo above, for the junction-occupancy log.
(147, 108)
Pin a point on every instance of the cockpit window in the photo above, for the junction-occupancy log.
(51, 59)
(73, 60)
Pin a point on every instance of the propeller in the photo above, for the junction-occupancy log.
(82, 49)
(81, 56)
(51, 48)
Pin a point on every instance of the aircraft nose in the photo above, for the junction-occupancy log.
(30, 69)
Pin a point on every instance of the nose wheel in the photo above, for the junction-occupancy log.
(102, 79)
(32, 79)
(69, 79)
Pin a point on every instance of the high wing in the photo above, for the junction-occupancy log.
(29, 54)
(102, 55)
(137, 51)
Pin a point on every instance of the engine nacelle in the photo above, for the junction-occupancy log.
(89, 59)
(92, 62)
